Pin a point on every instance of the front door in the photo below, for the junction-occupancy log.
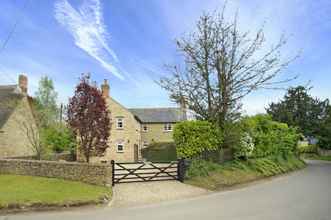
(136, 152)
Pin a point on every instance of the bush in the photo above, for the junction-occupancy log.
(245, 147)
(194, 138)
(58, 138)
(270, 137)
(324, 134)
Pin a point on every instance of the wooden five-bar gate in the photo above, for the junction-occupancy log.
(147, 171)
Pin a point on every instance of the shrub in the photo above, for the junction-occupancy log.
(270, 137)
(324, 143)
(323, 136)
(194, 138)
(58, 138)
(245, 148)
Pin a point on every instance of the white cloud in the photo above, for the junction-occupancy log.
(89, 31)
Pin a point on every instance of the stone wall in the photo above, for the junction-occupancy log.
(98, 174)
(129, 135)
(13, 139)
(156, 133)
(323, 152)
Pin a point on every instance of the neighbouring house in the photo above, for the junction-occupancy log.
(15, 112)
(133, 129)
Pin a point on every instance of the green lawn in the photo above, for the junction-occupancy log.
(17, 191)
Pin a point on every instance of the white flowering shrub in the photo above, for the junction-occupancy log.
(245, 148)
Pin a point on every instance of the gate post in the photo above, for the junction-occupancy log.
(113, 172)
(181, 169)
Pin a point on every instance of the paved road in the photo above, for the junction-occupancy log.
(302, 195)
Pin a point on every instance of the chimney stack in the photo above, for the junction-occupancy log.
(105, 88)
(23, 83)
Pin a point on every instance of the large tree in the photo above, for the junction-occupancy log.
(45, 99)
(88, 117)
(324, 134)
(298, 108)
(222, 65)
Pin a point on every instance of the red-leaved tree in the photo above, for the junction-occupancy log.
(89, 118)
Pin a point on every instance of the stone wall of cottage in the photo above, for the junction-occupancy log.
(156, 133)
(129, 135)
(98, 174)
(13, 138)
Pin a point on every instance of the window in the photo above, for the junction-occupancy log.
(167, 127)
(120, 147)
(145, 144)
(145, 129)
(120, 123)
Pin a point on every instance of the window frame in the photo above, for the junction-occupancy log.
(145, 144)
(117, 122)
(166, 127)
(145, 126)
(120, 143)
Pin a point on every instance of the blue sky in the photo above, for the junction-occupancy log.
(129, 41)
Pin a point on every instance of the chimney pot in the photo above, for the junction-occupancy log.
(23, 83)
(105, 88)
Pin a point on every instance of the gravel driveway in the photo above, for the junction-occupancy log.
(135, 194)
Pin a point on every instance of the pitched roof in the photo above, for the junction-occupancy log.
(158, 115)
(9, 95)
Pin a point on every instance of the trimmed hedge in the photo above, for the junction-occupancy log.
(195, 138)
(162, 151)
(310, 149)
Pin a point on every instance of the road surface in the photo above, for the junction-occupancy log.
(302, 195)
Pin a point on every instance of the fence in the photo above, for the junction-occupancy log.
(147, 171)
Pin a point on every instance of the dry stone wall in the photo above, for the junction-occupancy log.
(98, 174)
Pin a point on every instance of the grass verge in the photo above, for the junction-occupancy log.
(21, 192)
(217, 177)
(317, 157)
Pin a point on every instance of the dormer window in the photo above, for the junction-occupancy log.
(167, 127)
(119, 123)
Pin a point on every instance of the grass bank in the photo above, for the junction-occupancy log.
(216, 177)
(24, 192)
(316, 157)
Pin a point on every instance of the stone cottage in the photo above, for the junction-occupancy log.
(15, 112)
(135, 128)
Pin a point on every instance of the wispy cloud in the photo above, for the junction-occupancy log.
(87, 27)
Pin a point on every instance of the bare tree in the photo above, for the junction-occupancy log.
(28, 120)
(32, 133)
(221, 66)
